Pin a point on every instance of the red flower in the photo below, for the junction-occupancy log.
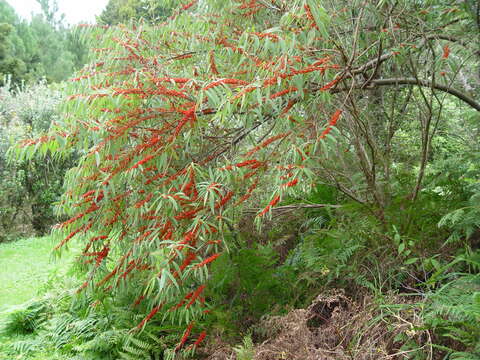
(331, 123)
(446, 52)
(272, 203)
(143, 161)
(185, 336)
(149, 316)
(189, 5)
(195, 295)
(283, 92)
(225, 81)
(208, 260)
(200, 338)
(290, 183)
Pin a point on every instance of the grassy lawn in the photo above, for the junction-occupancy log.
(25, 266)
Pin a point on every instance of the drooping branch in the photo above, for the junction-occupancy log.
(426, 83)
(412, 81)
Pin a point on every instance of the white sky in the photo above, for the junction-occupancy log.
(76, 11)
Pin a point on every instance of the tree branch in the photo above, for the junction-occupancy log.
(412, 81)
(295, 207)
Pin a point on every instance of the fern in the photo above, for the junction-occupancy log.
(453, 310)
(103, 342)
(246, 350)
(465, 221)
(136, 348)
(27, 346)
(27, 318)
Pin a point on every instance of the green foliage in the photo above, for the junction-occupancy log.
(125, 11)
(245, 351)
(29, 188)
(449, 312)
(41, 48)
(464, 220)
(27, 269)
(453, 310)
(27, 319)
(247, 284)
(9, 65)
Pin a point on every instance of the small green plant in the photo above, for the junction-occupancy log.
(246, 350)
(248, 284)
(28, 318)
(452, 310)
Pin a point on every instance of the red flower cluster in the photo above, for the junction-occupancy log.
(332, 122)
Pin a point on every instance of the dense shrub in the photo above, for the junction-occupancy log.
(29, 187)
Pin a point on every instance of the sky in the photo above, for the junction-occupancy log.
(76, 11)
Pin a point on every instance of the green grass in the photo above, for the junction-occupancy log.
(25, 266)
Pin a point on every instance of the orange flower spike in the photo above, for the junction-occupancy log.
(246, 163)
(244, 91)
(272, 203)
(335, 117)
(188, 259)
(143, 161)
(195, 295)
(275, 200)
(88, 193)
(289, 106)
(227, 168)
(290, 183)
(331, 84)
(208, 260)
(149, 316)
(225, 81)
(331, 123)
(283, 92)
(202, 336)
(224, 200)
(446, 52)
(189, 5)
(175, 80)
(185, 336)
(266, 143)
(71, 235)
(310, 16)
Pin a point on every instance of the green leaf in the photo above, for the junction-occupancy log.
(411, 261)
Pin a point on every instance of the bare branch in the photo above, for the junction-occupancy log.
(412, 81)
(295, 207)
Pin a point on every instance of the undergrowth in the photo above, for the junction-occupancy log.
(392, 273)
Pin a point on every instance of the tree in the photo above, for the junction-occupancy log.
(29, 188)
(9, 65)
(45, 47)
(230, 102)
(124, 11)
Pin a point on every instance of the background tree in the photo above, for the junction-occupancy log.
(9, 65)
(43, 47)
(124, 11)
